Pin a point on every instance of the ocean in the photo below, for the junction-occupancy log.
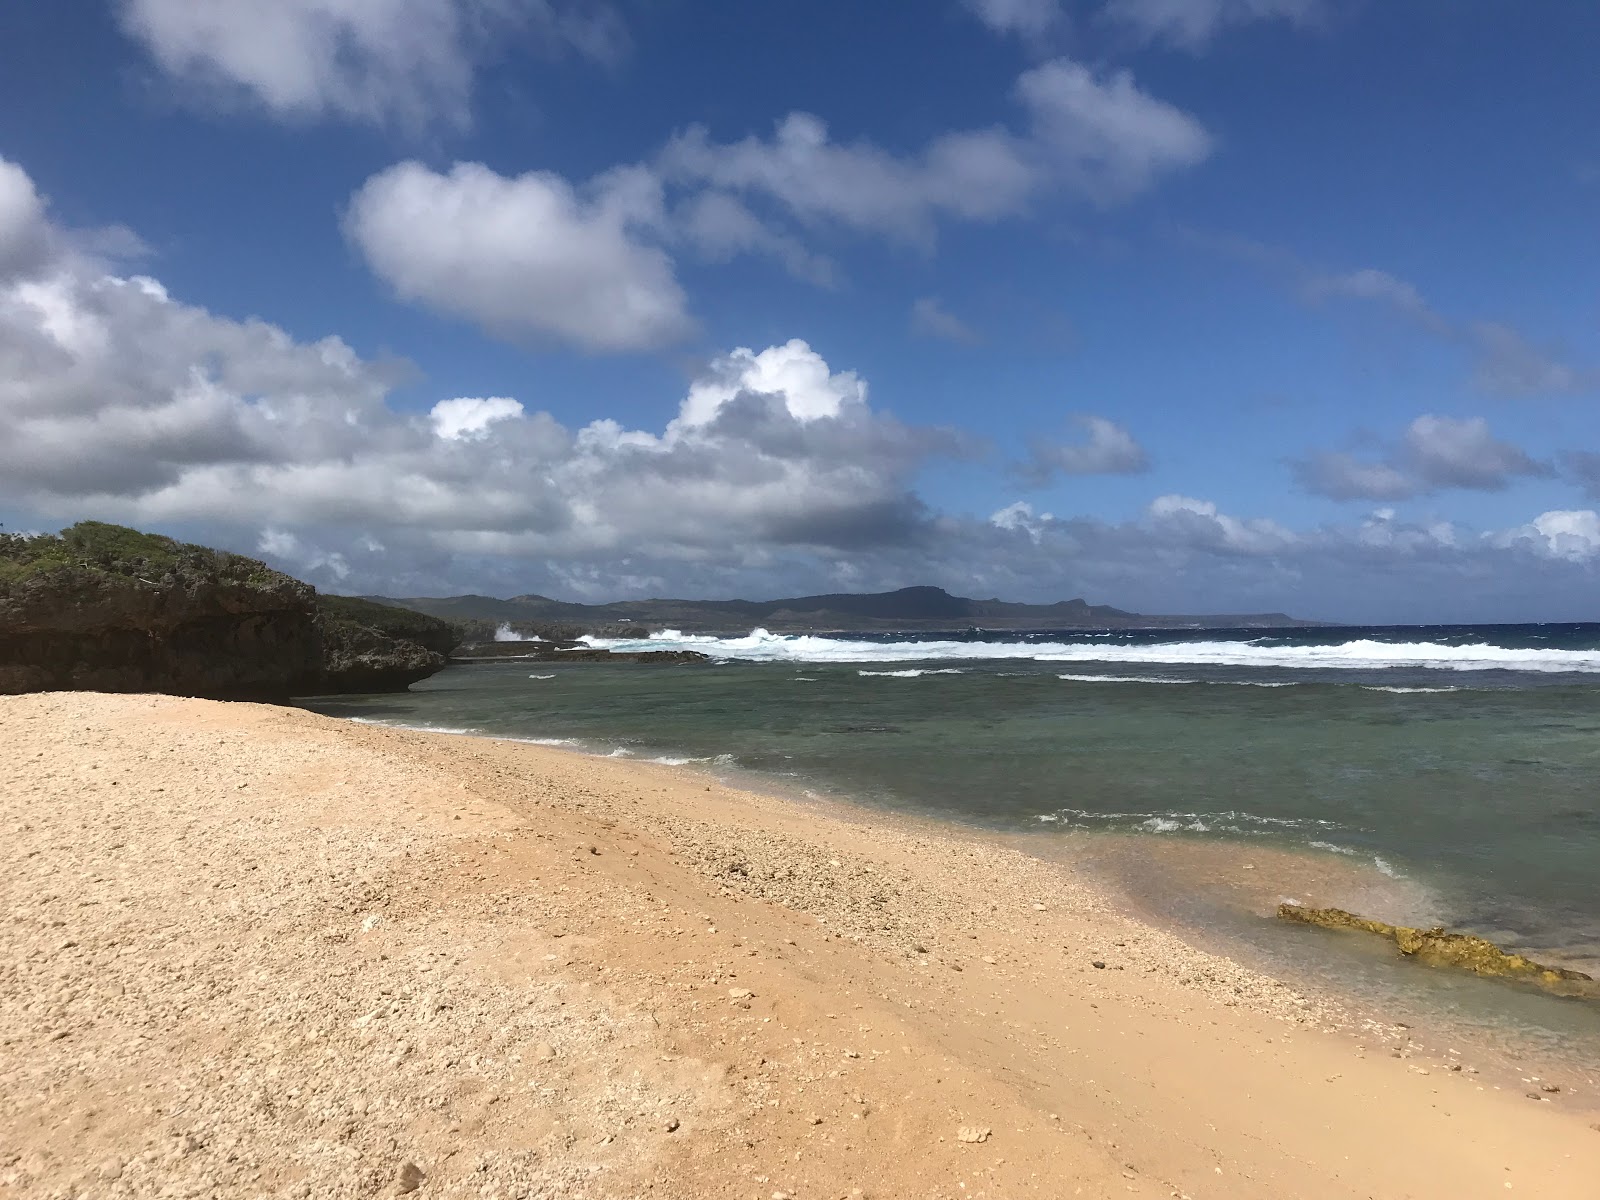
(1417, 774)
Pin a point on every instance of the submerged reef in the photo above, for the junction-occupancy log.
(1440, 948)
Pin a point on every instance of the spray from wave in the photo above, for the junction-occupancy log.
(507, 634)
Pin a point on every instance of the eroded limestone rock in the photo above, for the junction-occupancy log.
(1440, 948)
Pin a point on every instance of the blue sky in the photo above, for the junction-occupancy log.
(1181, 305)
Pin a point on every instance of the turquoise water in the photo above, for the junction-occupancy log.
(1435, 775)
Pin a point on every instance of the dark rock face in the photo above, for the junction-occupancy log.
(358, 658)
(105, 608)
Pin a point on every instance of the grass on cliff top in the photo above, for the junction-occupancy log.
(100, 548)
(392, 621)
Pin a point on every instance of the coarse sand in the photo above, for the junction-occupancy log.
(252, 951)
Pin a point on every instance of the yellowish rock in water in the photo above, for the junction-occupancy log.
(1440, 948)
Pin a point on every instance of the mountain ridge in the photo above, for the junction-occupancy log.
(919, 608)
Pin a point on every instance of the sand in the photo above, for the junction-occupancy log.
(253, 951)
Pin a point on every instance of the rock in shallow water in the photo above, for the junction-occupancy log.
(1440, 948)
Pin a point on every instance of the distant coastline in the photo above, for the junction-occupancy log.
(911, 609)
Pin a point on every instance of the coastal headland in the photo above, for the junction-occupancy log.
(255, 951)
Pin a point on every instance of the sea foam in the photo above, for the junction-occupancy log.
(1358, 654)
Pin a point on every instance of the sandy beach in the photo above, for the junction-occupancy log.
(255, 951)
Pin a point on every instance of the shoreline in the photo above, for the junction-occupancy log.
(300, 951)
(1359, 987)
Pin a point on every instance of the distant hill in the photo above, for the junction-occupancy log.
(912, 608)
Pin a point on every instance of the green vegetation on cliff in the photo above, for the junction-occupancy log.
(115, 551)
(105, 608)
(403, 623)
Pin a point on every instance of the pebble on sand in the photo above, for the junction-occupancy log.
(409, 1179)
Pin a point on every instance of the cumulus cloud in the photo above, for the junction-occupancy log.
(720, 226)
(776, 476)
(1101, 135)
(1572, 535)
(792, 372)
(405, 61)
(285, 547)
(1090, 135)
(1191, 24)
(24, 235)
(1027, 18)
(541, 258)
(122, 401)
(1200, 522)
(1106, 449)
(469, 417)
(930, 318)
(1435, 453)
(529, 258)
(1342, 476)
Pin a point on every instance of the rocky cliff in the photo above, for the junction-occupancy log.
(103, 608)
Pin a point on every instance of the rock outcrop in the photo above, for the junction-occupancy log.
(104, 608)
(359, 658)
(1440, 948)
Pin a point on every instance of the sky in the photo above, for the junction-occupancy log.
(1177, 305)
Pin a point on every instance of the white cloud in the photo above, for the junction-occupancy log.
(1573, 535)
(407, 61)
(1508, 364)
(1102, 136)
(1109, 449)
(540, 258)
(1450, 452)
(469, 417)
(1435, 453)
(793, 372)
(1341, 476)
(1091, 136)
(1379, 287)
(930, 318)
(977, 176)
(529, 258)
(1027, 18)
(121, 401)
(1019, 517)
(720, 226)
(1191, 24)
(1202, 521)
(1505, 362)
(285, 547)
(24, 236)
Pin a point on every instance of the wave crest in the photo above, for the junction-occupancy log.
(759, 645)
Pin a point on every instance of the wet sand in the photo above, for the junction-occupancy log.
(258, 951)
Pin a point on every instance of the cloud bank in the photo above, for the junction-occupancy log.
(777, 474)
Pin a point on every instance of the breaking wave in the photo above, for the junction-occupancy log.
(913, 672)
(1267, 651)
